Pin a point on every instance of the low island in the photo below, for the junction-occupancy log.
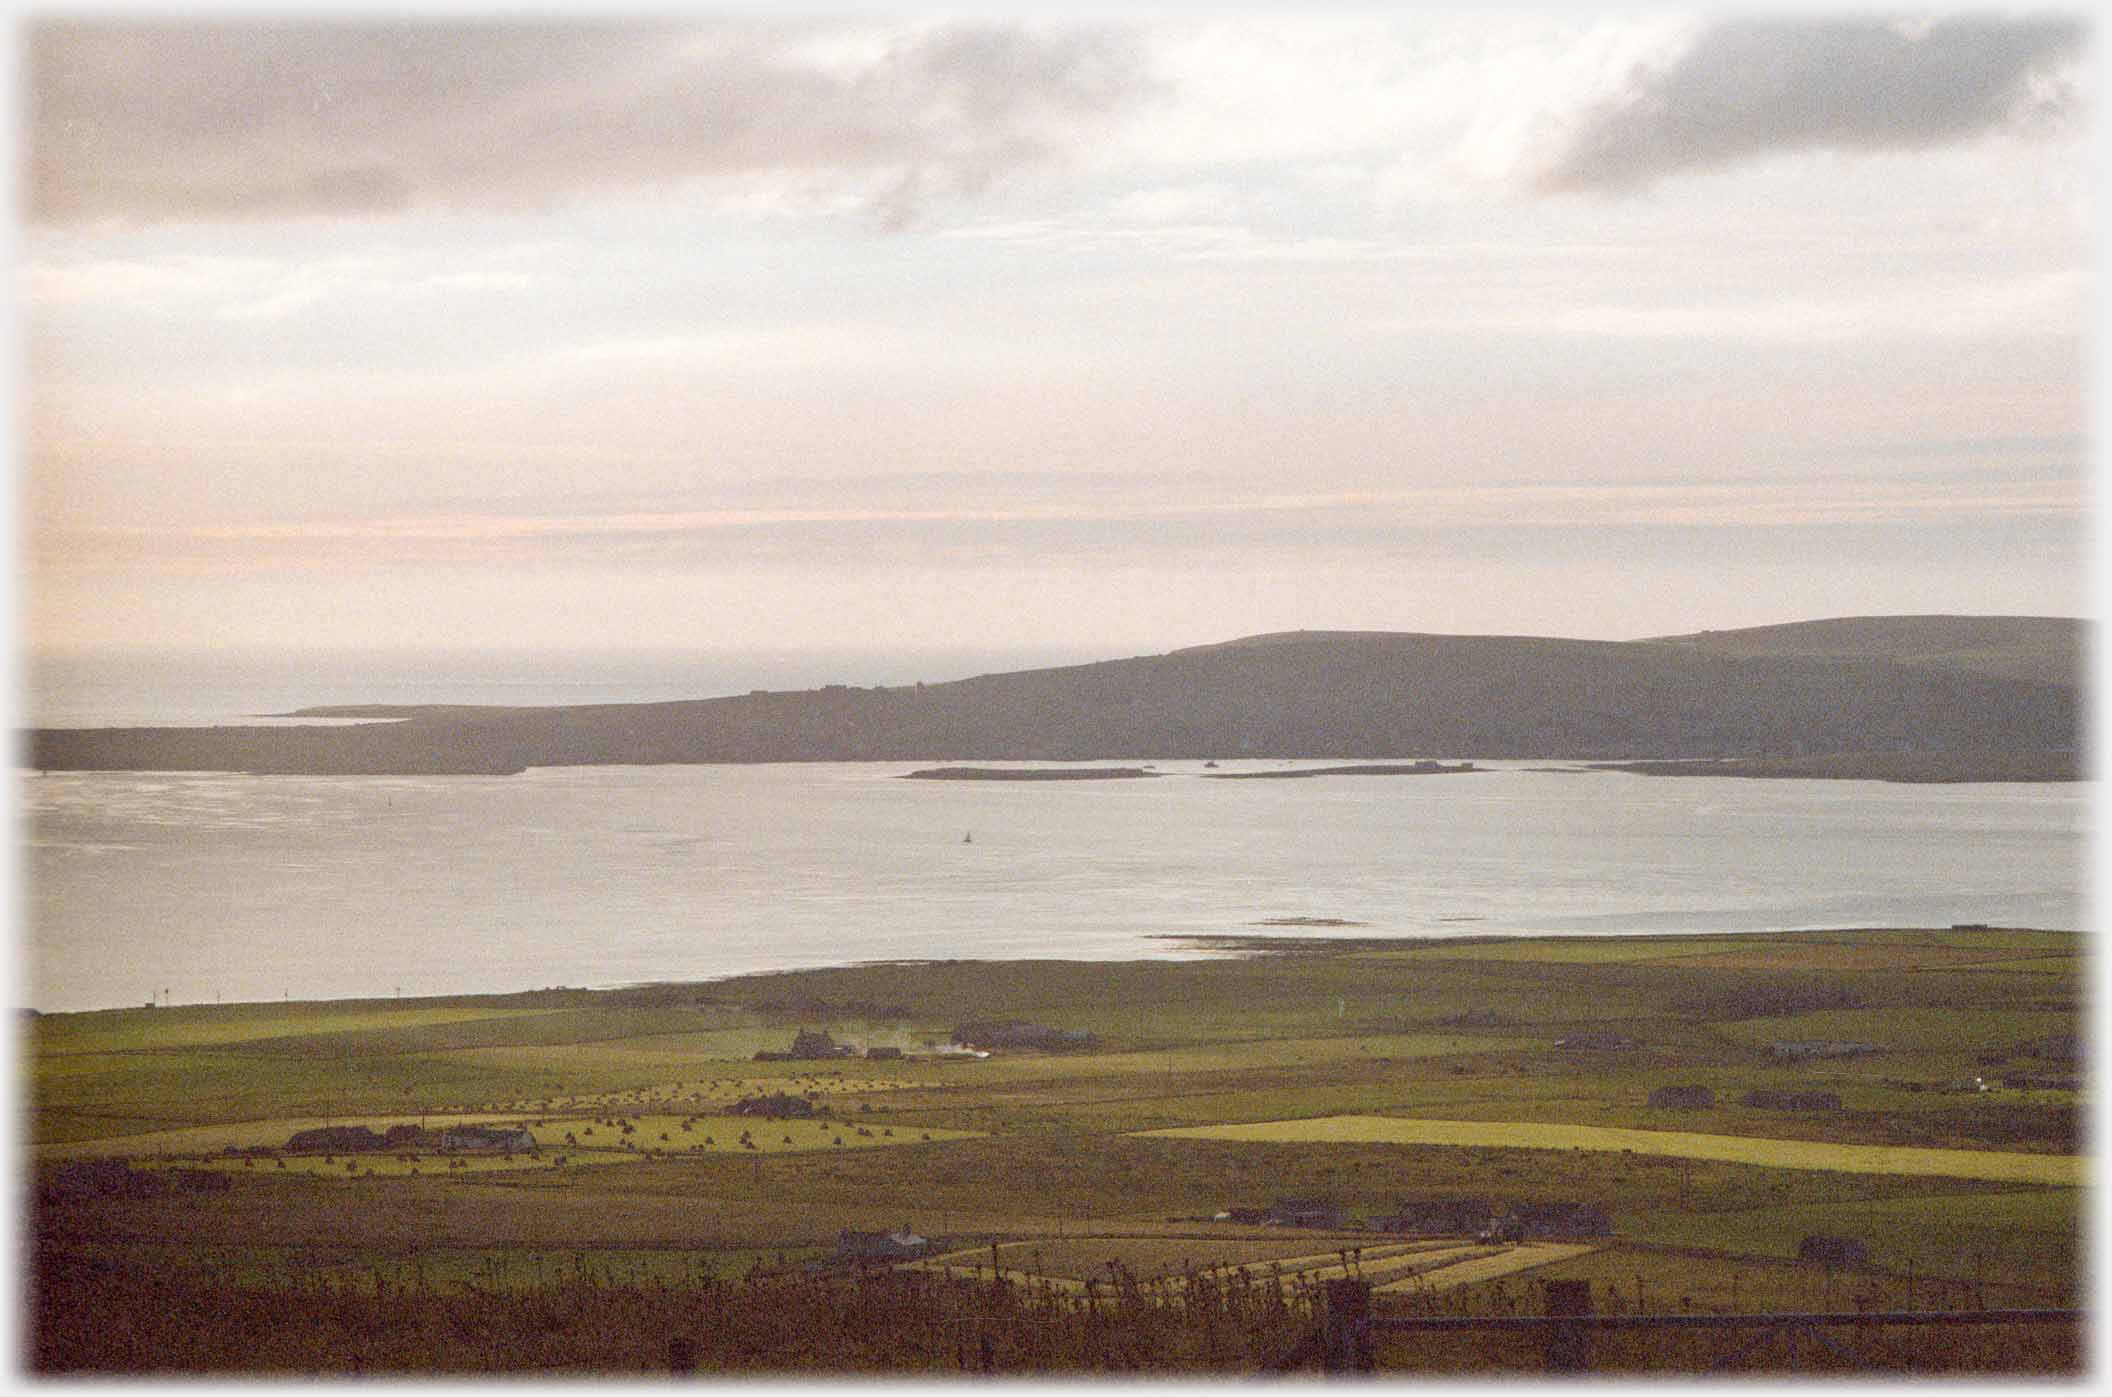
(1388, 769)
(1029, 773)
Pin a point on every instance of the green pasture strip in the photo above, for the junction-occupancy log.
(1565, 951)
(2001, 1166)
(545, 1028)
(1289, 1053)
(1932, 1028)
(2029, 1237)
(724, 1134)
(206, 1088)
(699, 1091)
(619, 1067)
(1872, 1114)
(374, 1164)
(2030, 965)
(549, 1133)
(2017, 940)
(195, 1026)
(451, 1269)
(272, 1134)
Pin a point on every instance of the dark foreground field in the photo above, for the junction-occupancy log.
(1911, 1095)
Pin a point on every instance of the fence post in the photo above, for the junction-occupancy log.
(1568, 1345)
(1346, 1343)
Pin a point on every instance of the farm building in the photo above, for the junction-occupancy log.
(1833, 1251)
(1594, 1040)
(1683, 1098)
(1791, 1100)
(809, 1044)
(1442, 1217)
(509, 1138)
(1560, 1220)
(1820, 1048)
(899, 1245)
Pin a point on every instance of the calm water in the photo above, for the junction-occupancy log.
(245, 888)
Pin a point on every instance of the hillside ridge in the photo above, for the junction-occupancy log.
(1852, 685)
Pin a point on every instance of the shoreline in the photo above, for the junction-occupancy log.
(1253, 946)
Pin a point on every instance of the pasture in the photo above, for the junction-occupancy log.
(2060, 1171)
(1363, 1072)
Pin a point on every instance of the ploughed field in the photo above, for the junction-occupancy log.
(1689, 1111)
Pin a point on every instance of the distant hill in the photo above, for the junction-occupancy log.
(2048, 649)
(1979, 685)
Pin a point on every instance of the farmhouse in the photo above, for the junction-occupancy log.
(1683, 1098)
(809, 1044)
(1441, 1217)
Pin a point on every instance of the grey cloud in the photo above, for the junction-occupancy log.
(1746, 89)
(150, 121)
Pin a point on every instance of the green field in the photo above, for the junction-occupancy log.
(2061, 1171)
(1364, 1072)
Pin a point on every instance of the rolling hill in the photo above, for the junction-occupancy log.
(1972, 686)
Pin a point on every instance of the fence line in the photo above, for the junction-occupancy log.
(1344, 1341)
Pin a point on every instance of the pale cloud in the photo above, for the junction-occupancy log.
(745, 347)
(237, 288)
(1166, 521)
(1743, 89)
(2049, 303)
(1118, 231)
(152, 121)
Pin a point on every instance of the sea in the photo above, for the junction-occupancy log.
(215, 887)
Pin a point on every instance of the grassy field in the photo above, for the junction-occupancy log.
(1368, 1073)
(2056, 1170)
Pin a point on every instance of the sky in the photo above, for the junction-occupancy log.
(915, 329)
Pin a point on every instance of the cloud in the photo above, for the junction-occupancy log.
(157, 121)
(1741, 90)
(1141, 522)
